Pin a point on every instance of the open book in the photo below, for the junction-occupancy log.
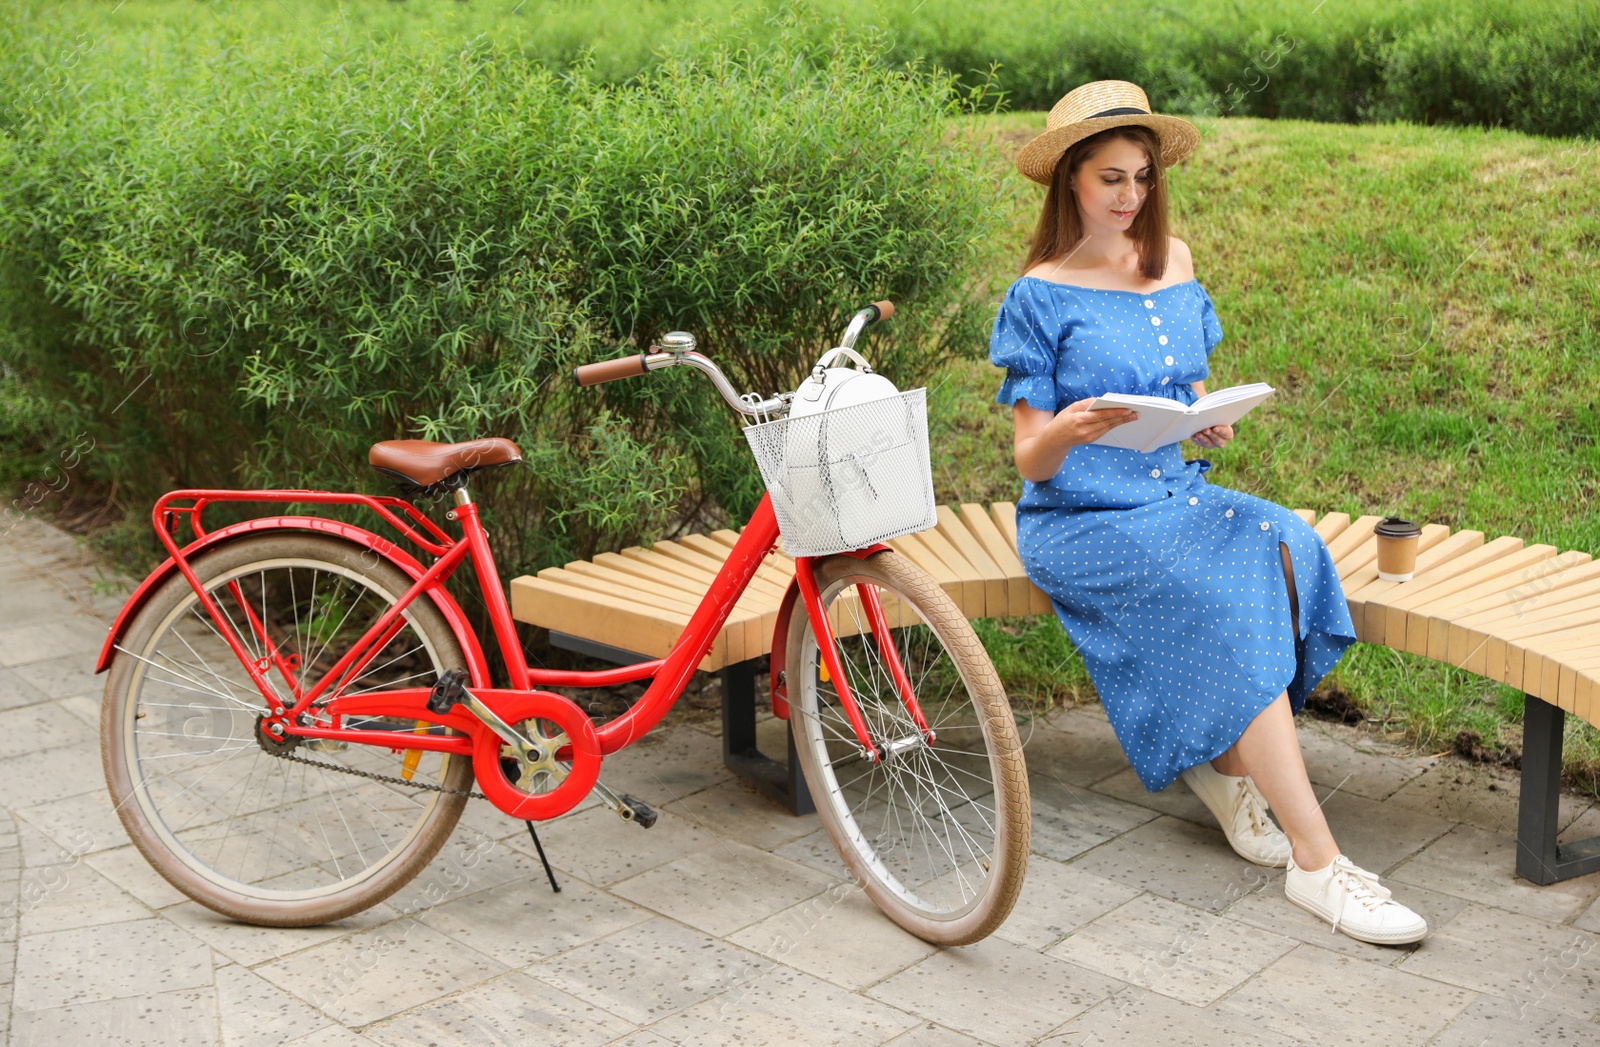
(1162, 421)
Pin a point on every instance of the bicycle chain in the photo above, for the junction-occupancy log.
(385, 778)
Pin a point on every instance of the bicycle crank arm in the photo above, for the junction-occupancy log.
(524, 750)
(449, 692)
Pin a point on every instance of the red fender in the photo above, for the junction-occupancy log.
(778, 685)
(476, 666)
(777, 682)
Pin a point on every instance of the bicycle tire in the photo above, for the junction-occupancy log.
(968, 789)
(255, 857)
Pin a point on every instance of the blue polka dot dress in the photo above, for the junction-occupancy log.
(1171, 587)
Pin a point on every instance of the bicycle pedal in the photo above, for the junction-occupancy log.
(448, 691)
(626, 807)
(640, 812)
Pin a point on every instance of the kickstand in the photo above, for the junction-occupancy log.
(543, 860)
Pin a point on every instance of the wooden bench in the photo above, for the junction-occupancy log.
(1523, 615)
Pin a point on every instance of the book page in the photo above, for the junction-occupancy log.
(1162, 421)
(1156, 415)
(1213, 409)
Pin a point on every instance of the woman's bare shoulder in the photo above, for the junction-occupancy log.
(1180, 263)
(1048, 270)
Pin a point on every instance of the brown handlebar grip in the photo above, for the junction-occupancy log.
(885, 309)
(609, 370)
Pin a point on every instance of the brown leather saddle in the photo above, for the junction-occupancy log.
(431, 467)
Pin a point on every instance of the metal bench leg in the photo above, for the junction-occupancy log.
(786, 785)
(1539, 858)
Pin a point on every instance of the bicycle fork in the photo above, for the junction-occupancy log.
(878, 622)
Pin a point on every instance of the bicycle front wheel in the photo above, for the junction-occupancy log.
(936, 832)
(258, 830)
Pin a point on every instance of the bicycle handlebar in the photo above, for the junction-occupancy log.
(610, 370)
(679, 349)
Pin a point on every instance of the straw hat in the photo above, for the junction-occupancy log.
(1095, 106)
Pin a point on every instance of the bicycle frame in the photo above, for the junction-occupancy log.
(283, 710)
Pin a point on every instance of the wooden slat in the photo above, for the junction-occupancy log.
(1332, 526)
(972, 587)
(1587, 702)
(1019, 601)
(1567, 638)
(742, 628)
(751, 616)
(769, 568)
(1478, 648)
(1367, 602)
(692, 587)
(1540, 658)
(1527, 621)
(642, 590)
(749, 623)
(628, 565)
(910, 546)
(580, 612)
(996, 598)
(709, 565)
(708, 547)
(1524, 660)
(1358, 577)
(1004, 515)
(1567, 686)
(1462, 572)
(1350, 539)
(656, 560)
(1005, 518)
(1495, 576)
(1495, 600)
(1567, 661)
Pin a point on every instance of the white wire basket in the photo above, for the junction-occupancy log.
(848, 477)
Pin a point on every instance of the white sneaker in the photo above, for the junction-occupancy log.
(1241, 810)
(1351, 898)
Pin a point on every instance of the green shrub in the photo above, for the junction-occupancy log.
(1531, 67)
(234, 267)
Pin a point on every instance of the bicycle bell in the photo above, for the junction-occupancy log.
(677, 342)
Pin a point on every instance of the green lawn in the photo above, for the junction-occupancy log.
(1423, 300)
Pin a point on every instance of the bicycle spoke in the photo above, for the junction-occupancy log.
(279, 823)
(920, 820)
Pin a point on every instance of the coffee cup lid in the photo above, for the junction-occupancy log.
(1395, 527)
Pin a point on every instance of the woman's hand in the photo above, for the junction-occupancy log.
(1216, 436)
(1079, 425)
(1043, 438)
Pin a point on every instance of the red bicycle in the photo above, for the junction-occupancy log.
(297, 711)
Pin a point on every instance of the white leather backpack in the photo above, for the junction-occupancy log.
(849, 466)
(830, 387)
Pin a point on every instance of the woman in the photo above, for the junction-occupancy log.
(1204, 615)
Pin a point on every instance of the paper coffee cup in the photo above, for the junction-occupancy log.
(1397, 548)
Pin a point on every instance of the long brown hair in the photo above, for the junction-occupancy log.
(1060, 229)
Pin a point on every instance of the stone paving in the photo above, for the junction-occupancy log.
(731, 921)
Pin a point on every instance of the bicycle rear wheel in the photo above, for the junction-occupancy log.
(267, 833)
(937, 833)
